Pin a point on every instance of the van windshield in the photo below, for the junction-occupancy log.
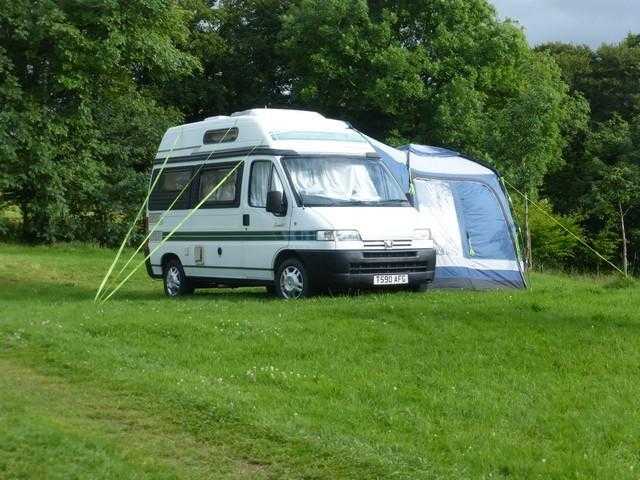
(338, 181)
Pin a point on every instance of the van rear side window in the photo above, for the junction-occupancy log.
(169, 186)
(223, 135)
(175, 181)
(227, 194)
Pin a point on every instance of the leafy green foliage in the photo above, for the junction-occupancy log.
(552, 245)
(82, 117)
(343, 62)
(599, 181)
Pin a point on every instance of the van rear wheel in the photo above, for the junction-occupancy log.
(175, 281)
(292, 280)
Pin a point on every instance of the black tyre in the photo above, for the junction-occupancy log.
(292, 280)
(271, 289)
(175, 281)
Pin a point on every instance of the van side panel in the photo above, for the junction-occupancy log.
(207, 244)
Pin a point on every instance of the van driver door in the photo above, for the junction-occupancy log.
(267, 233)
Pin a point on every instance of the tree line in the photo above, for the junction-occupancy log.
(87, 88)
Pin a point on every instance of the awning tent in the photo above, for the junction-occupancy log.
(468, 212)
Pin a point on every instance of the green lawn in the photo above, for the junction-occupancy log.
(233, 384)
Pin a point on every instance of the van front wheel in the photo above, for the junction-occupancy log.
(292, 280)
(176, 282)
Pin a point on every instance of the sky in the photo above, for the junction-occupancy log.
(590, 22)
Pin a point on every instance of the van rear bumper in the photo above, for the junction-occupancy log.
(356, 268)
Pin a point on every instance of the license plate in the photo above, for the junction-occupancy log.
(391, 279)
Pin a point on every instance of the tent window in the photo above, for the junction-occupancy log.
(223, 135)
(437, 199)
(484, 227)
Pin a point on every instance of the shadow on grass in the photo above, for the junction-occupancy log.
(71, 292)
(203, 295)
(241, 294)
(50, 291)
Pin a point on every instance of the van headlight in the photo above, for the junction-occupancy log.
(338, 235)
(422, 234)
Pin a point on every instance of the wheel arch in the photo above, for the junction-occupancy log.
(283, 255)
(168, 256)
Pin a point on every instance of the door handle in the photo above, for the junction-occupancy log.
(246, 221)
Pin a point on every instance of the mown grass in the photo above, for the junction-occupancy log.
(232, 384)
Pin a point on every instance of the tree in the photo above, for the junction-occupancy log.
(615, 190)
(236, 42)
(529, 133)
(596, 182)
(348, 65)
(81, 112)
(552, 245)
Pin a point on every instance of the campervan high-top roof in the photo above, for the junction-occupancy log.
(276, 129)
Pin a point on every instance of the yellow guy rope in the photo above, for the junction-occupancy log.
(565, 228)
(170, 234)
(168, 210)
(135, 221)
(165, 239)
(157, 224)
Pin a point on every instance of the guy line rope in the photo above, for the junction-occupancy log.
(598, 254)
(170, 234)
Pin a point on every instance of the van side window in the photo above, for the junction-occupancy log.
(169, 186)
(222, 135)
(174, 181)
(264, 178)
(227, 194)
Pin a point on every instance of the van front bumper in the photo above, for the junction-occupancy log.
(356, 268)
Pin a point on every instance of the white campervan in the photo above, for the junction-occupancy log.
(311, 206)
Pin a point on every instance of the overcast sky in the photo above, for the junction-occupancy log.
(576, 21)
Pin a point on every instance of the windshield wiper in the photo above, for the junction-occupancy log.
(374, 203)
(393, 201)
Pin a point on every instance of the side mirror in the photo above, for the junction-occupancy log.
(275, 203)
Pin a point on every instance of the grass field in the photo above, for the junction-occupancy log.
(232, 384)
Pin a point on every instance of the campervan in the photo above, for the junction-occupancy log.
(285, 199)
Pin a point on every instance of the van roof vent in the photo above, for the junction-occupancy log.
(278, 113)
(217, 117)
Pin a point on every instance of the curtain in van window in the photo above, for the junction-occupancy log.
(175, 181)
(264, 178)
(210, 178)
(332, 179)
(260, 173)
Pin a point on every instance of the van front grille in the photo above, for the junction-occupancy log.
(402, 243)
(388, 267)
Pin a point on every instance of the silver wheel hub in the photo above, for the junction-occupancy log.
(173, 281)
(291, 282)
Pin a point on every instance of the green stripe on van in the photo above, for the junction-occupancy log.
(245, 236)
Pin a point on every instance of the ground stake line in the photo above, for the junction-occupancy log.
(157, 224)
(164, 240)
(135, 221)
(567, 230)
(168, 210)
